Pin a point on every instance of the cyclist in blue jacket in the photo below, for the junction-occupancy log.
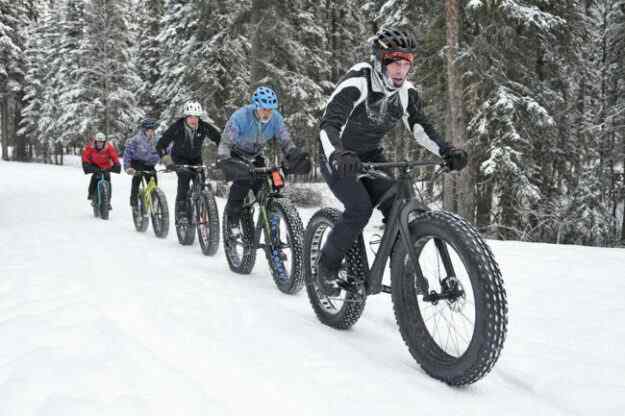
(243, 140)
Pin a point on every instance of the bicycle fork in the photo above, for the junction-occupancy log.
(397, 227)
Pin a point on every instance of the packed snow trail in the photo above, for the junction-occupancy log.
(97, 319)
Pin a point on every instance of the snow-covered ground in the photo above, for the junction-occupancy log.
(96, 319)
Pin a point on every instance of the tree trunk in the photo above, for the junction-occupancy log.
(484, 204)
(260, 45)
(459, 191)
(20, 139)
(4, 127)
(623, 198)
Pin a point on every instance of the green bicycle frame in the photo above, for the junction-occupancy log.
(147, 193)
(264, 194)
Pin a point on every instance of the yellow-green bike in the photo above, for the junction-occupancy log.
(151, 201)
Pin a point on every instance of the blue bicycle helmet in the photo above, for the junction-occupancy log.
(265, 98)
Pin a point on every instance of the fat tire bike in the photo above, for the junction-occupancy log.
(201, 213)
(151, 204)
(101, 201)
(280, 224)
(446, 287)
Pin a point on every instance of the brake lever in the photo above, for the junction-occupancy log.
(440, 172)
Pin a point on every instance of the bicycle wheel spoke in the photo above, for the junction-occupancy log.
(466, 318)
(452, 330)
(456, 334)
(438, 311)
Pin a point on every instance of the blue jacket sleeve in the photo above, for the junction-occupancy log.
(283, 136)
(129, 153)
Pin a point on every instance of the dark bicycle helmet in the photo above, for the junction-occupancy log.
(393, 40)
(149, 123)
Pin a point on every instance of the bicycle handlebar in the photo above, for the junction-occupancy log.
(191, 166)
(373, 169)
(265, 170)
(402, 164)
(185, 166)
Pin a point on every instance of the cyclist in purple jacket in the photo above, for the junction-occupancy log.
(141, 155)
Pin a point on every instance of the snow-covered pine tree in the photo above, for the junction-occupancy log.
(108, 79)
(48, 128)
(292, 58)
(35, 54)
(73, 120)
(176, 30)
(147, 18)
(507, 116)
(219, 66)
(13, 22)
(614, 81)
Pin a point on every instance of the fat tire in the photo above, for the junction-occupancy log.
(104, 201)
(142, 224)
(186, 237)
(248, 230)
(161, 230)
(354, 304)
(491, 310)
(210, 247)
(295, 228)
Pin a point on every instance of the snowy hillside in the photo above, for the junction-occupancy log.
(97, 319)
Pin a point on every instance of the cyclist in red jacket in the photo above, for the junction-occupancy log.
(99, 155)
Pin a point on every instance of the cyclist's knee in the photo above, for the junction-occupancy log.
(358, 215)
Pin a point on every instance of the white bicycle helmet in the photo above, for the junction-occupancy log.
(100, 137)
(192, 108)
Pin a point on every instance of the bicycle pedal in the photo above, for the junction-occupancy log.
(235, 240)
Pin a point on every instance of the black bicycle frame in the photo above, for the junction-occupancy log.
(200, 183)
(405, 202)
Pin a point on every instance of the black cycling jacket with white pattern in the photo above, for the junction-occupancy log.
(362, 110)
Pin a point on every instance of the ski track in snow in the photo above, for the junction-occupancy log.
(97, 319)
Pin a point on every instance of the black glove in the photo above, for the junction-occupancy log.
(88, 168)
(345, 163)
(298, 163)
(117, 168)
(455, 158)
(235, 169)
(168, 162)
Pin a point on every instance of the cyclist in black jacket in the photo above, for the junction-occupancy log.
(368, 102)
(187, 134)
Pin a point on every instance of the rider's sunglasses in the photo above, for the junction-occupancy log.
(397, 55)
